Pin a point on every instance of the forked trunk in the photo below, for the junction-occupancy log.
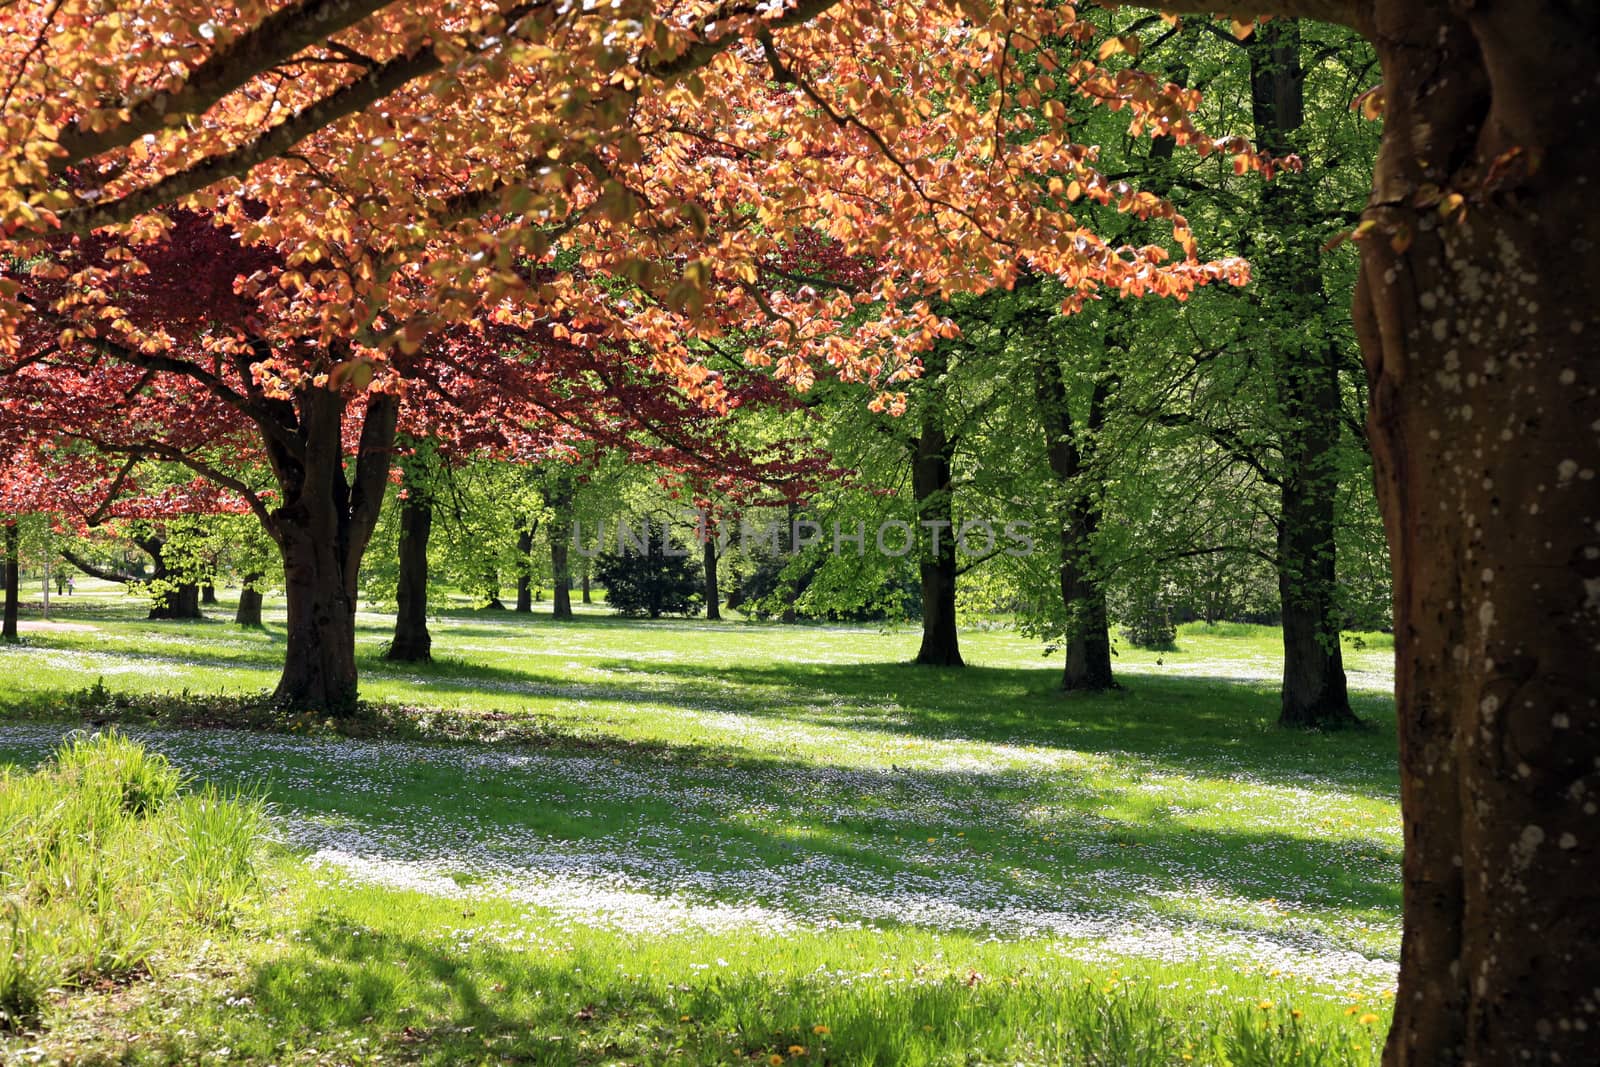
(1479, 318)
(9, 631)
(322, 530)
(412, 643)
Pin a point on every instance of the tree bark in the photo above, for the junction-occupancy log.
(412, 643)
(708, 556)
(1478, 326)
(1088, 633)
(1306, 378)
(560, 520)
(932, 454)
(208, 593)
(588, 597)
(9, 631)
(322, 529)
(248, 612)
(174, 599)
(525, 534)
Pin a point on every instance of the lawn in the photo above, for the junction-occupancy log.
(733, 842)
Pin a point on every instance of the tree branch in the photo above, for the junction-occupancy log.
(271, 41)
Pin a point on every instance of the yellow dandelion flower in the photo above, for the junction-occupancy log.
(1265, 1005)
(683, 1018)
(1368, 1019)
(775, 1059)
(797, 1050)
(820, 1029)
(1296, 1012)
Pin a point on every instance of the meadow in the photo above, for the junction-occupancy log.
(693, 842)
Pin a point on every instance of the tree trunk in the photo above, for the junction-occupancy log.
(708, 555)
(1313, 693)
(173, 600)
(1088, 631)
(560, 521)
(562, 595)
(322, 530)
(319, 668)
(588, 597)
(248, 613)
(524, 579)
(932, 454)
(9, 631)
(412, 643)
(1478, 325)
(1306, 377)
(208, 593)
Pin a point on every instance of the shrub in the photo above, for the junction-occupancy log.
(1149, 624)
(103, 862)
(652, 582)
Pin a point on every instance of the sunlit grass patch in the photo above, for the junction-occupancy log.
(104, 862)
(1129, 876)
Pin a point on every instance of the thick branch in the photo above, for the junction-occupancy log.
(271, 41)
(374, 85)
(94, 570)
(1352, 13)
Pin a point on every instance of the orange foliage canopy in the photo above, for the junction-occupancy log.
(411, 162)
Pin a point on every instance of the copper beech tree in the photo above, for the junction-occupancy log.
(679, 145)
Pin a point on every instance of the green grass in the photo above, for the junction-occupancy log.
(104, 863)
(765, 829)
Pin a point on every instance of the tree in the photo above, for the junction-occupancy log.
(1482, 380)
(654, 579)
(411, 642)
(9, 632)
(1484, 397)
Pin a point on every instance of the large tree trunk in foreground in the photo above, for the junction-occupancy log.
(248, 612)
(322, 529)
(1306, 375)
(412, 643)
(9, 631)
(1088, 634)
(1479, 329)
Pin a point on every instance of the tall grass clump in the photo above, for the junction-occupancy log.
(105, 861)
